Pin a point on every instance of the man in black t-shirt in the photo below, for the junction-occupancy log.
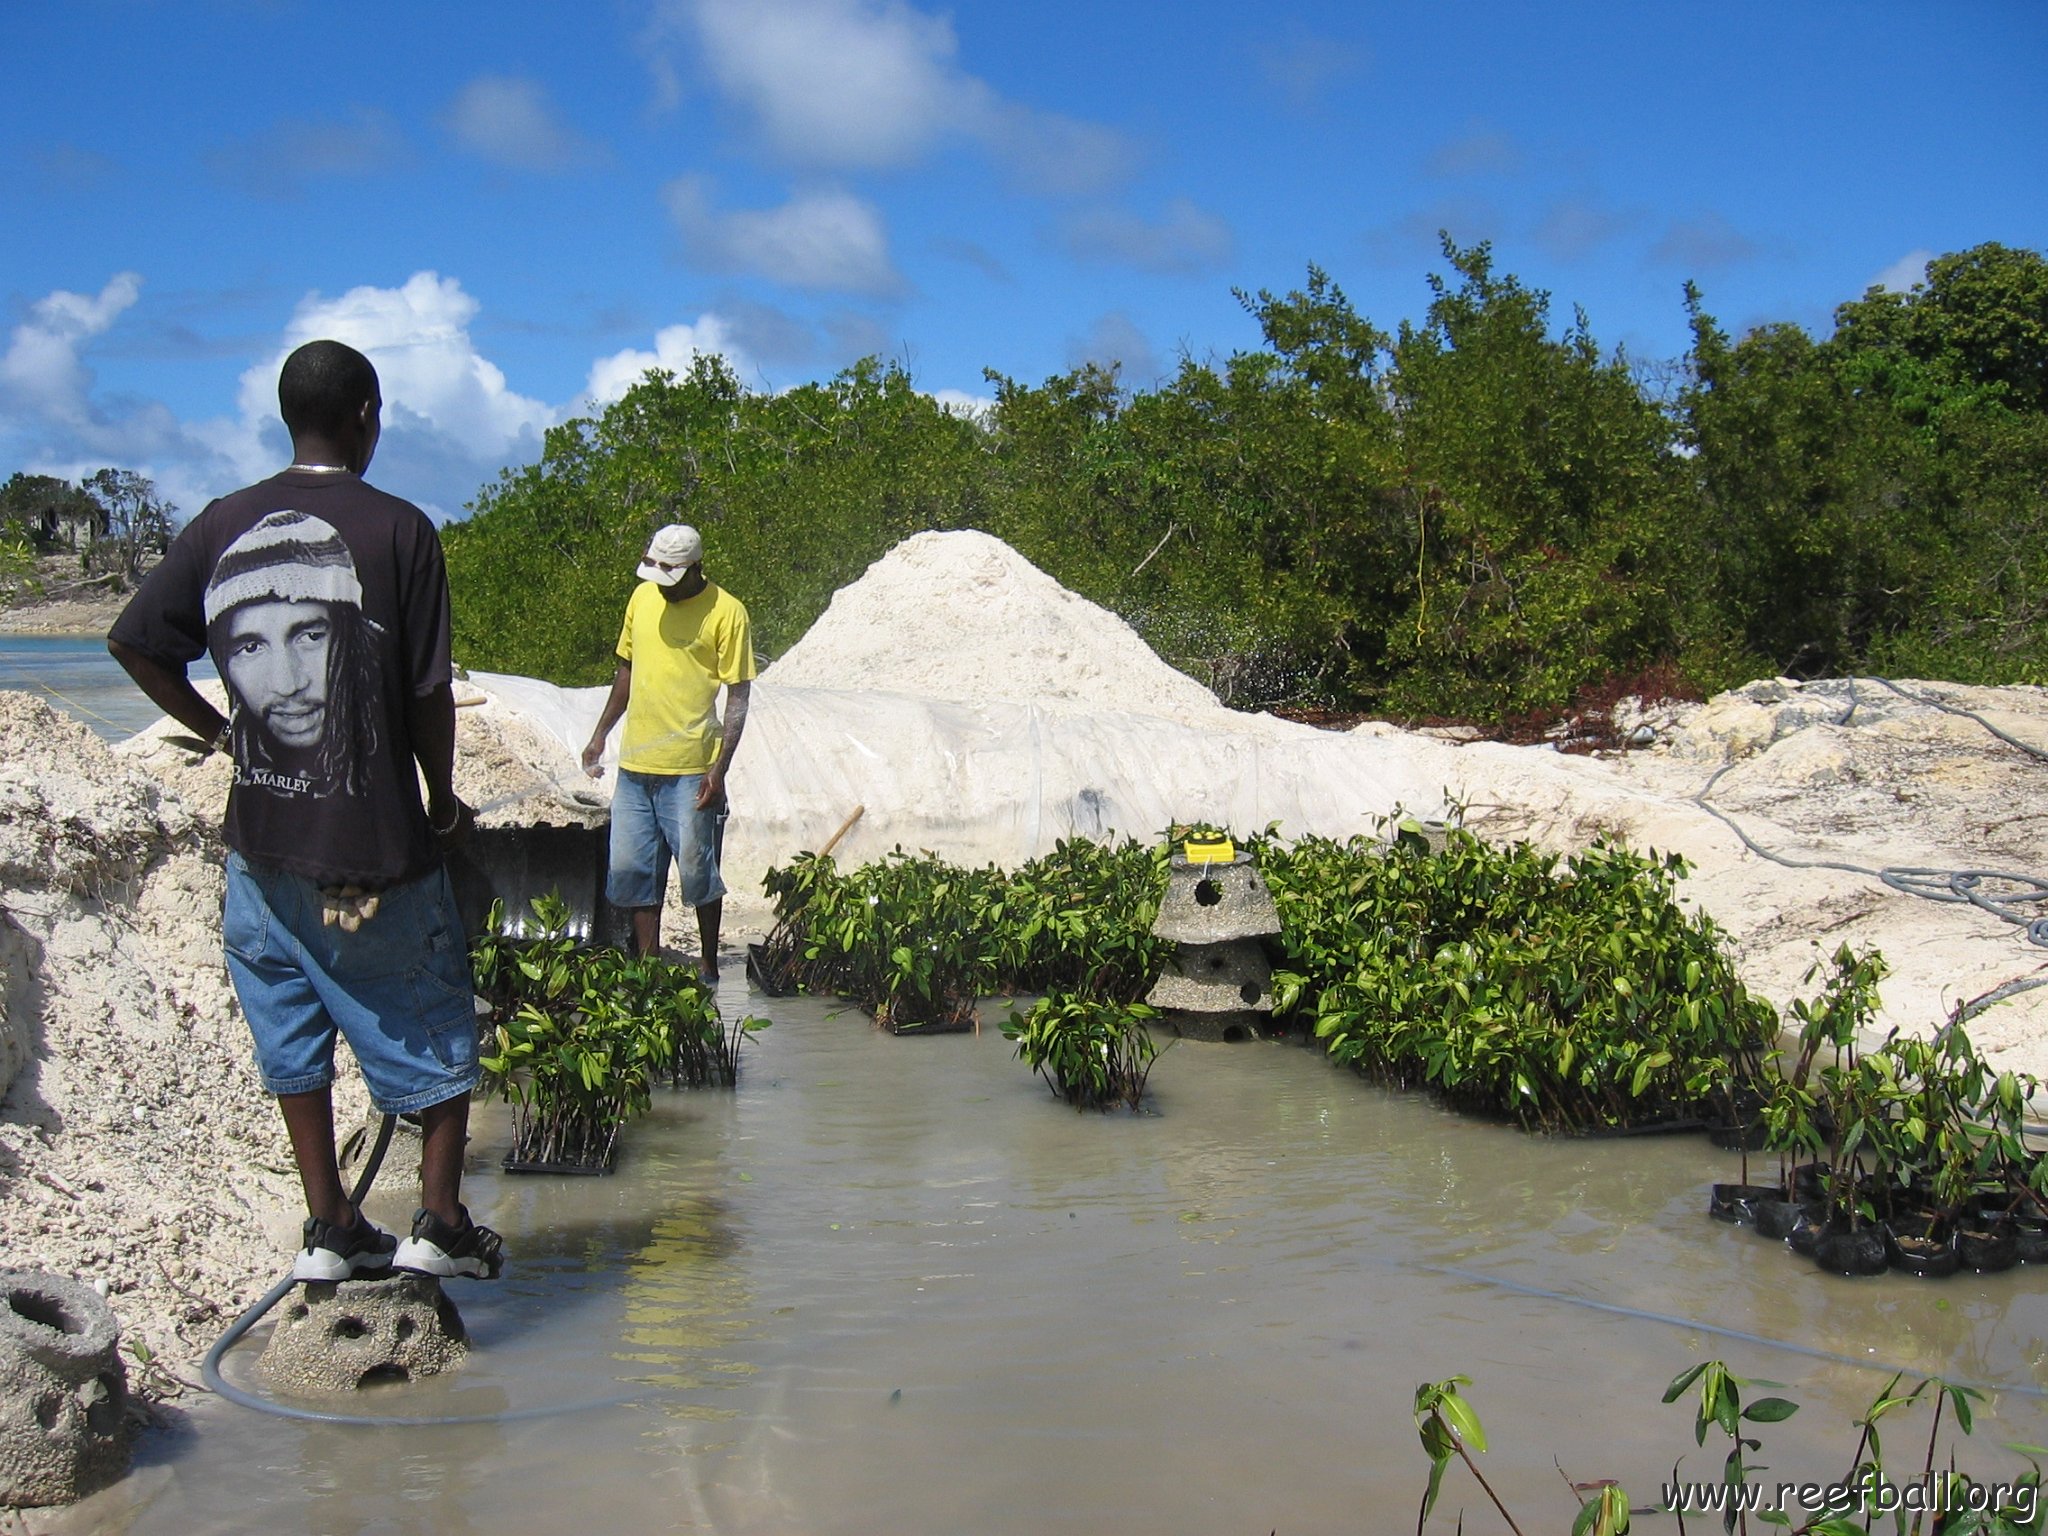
(324, 603)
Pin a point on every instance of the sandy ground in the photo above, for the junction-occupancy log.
(61, 604)
(138, 1152)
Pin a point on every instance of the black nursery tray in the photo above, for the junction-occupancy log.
(521, 1165)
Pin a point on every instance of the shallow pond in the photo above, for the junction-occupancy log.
(892, 1285)
(76, 675)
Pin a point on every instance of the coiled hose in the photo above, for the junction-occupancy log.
(2007, 903)
(210, 1372)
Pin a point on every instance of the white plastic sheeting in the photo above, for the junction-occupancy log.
(1003, 781)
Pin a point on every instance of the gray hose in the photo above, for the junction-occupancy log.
(1614, 1309)
(1960, 885)
(210, 1373)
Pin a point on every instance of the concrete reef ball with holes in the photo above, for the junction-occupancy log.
(324, 603)
(683, 639)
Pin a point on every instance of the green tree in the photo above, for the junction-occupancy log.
(795, 494)
(1979, 322)
(1543, 488)
(137, 525)
(39, 509)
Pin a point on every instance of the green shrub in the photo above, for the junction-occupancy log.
(1564, 994)
(1093, 1054)
(579, 1035)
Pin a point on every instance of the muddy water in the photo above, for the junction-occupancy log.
(891, 1285)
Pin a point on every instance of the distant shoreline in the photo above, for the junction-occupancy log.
(68, 618)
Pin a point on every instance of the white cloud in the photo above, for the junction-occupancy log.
(1706, 243)
(820, 239)
(451, 419)
(869, 84)
(968, 407)
(1115, 342)
(676, 348)
(276, 162)
(418, 337)
(1303, 66)
(1480, 151)
(1575, 227)
(1183, 239)
(53, 420)
(838, 82)
(510, 122)
(1903, 274)
(42, 372)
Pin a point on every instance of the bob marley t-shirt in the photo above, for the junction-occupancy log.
(324, 603)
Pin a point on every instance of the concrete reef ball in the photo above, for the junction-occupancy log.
(338, 1336)
(64, 1422)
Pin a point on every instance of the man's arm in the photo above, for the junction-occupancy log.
(614, 706)
(170, 691)
(737, 696)
(430, 720)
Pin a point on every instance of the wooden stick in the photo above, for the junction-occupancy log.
(844, 827)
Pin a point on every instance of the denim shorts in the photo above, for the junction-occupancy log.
(398, 989)
(654, 816)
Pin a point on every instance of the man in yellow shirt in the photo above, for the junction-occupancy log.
(682, 640)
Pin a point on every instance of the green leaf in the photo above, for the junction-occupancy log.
(1770, 1410)
(1683, 1380)
(1463, 1420)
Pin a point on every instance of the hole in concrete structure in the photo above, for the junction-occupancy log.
(38, 1308)
(299, 1312)
(1215, 962)
(1233, 1033)
(349, 1328)
(1249, 992)
(48, 1410)
(404, 1330)
(103, 1412)
(1207, 893)
(386, 1372)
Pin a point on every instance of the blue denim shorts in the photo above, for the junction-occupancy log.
(654, 817)
(398, 989)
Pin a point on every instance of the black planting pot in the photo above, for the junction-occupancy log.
(1809, 1181)
(1775, 1219)
(1807, 1228)
(1987, 1246)
(1738, 1202)
(2032, 1232)
(1851, 1251)
(1919, 1244)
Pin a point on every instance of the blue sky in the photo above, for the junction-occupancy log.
(517, 207)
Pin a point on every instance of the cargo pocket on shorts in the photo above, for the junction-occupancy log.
(442, 1001)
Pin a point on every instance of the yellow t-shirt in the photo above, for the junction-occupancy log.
(680, 653)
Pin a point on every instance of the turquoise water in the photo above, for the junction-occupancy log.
(77, 675)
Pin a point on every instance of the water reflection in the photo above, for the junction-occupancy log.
(893, 1284)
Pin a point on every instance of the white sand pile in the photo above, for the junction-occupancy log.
(137, 1149)
(964, 616)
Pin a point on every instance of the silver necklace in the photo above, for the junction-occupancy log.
(319, 469)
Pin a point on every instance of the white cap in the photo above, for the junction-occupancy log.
(678, 547)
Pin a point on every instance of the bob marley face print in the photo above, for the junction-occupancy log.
(284, 619)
